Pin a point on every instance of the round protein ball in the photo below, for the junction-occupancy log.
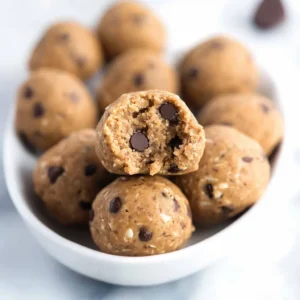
(129, 25)
(252, 114)
(150, 132)
(68, 46)
(217, 66)
(51, 104)
(233, 174)
(139, 216)
(68, 177)
(135, 70)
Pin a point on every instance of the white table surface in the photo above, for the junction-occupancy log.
(260, 272)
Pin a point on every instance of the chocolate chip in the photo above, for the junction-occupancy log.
(28, 92)
(115, 205)
(91, 215)
(139, 142)
(64, 36)
(25, 142)
(269, 14)
(90, 170)
(145, 235)
(175, 142)
(38, 110)
(54, 172)
(209, 190)
(247, 159)
(169, 112)
(227, 209)
(265, 108)
(138, 79)
(164, 194)
(74, 96)
(193, 73)
(149, 162)
(81, 61)
(176, 205)
(173, 169)
(85, 205)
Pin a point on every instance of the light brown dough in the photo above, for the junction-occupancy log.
(129, 25)
(51, 104)
(68, 177)
(151, 132)
(233, 174)
(217, 66)
(68, 46)
(252, 114)
(135, 70)
(139, 216)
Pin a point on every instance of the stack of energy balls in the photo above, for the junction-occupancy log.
(149, 170)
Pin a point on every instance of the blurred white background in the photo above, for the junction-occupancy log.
(263, 271)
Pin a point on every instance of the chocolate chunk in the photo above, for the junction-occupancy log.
(176, 205)
(145, 235)
(169, 112)
(138, 79)
(38, 110)
(175, 142)
(115, 205)
(91, 215)
(25, 142)
(90, 170)
(193, 73)
(85, 205)
(269, 14)
(139, 142)
(247, 159)
(81, 61)
(54, 172)
(209, 190)
(74, 96)
(164, 194)
(227, 209)
(265, 108)
(173, 169)
(28, 92)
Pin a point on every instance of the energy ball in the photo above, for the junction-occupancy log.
(150, 132)
(252, 114)
(68, 46)
(217, 66)
(233, 174)
(129, 25)
(51, 104)
(139, 216)
(68, 177)
(133, 71)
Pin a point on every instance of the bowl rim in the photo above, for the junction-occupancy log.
(218, 238)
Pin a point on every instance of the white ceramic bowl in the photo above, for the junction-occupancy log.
(74, 247)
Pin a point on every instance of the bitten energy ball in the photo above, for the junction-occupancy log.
(68, 46)
(252, 114)
(151, 132)
(51, 104)
(138, 216)
(233, 174)
(219, 65)
(68, 177)
(129, 25)
(135, 70)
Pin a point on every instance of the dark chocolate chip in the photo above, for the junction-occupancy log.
(269, 14)
(164, 194)
(247, 159)
(115, 205)
(85, 205)
(90, 170)
(139, 142)
(145, 235)
(28, 92)
(176, 205)
(81, 61)
(91, 215)
(169, 112)
(26, 143)
(38, 110)
(74, 96)
(54, 172)
(138, 79)
(175, 143)
(173, 169)
(193, 73)
(135, 114)
(209, 190)
(227, 209)
(265, 108)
